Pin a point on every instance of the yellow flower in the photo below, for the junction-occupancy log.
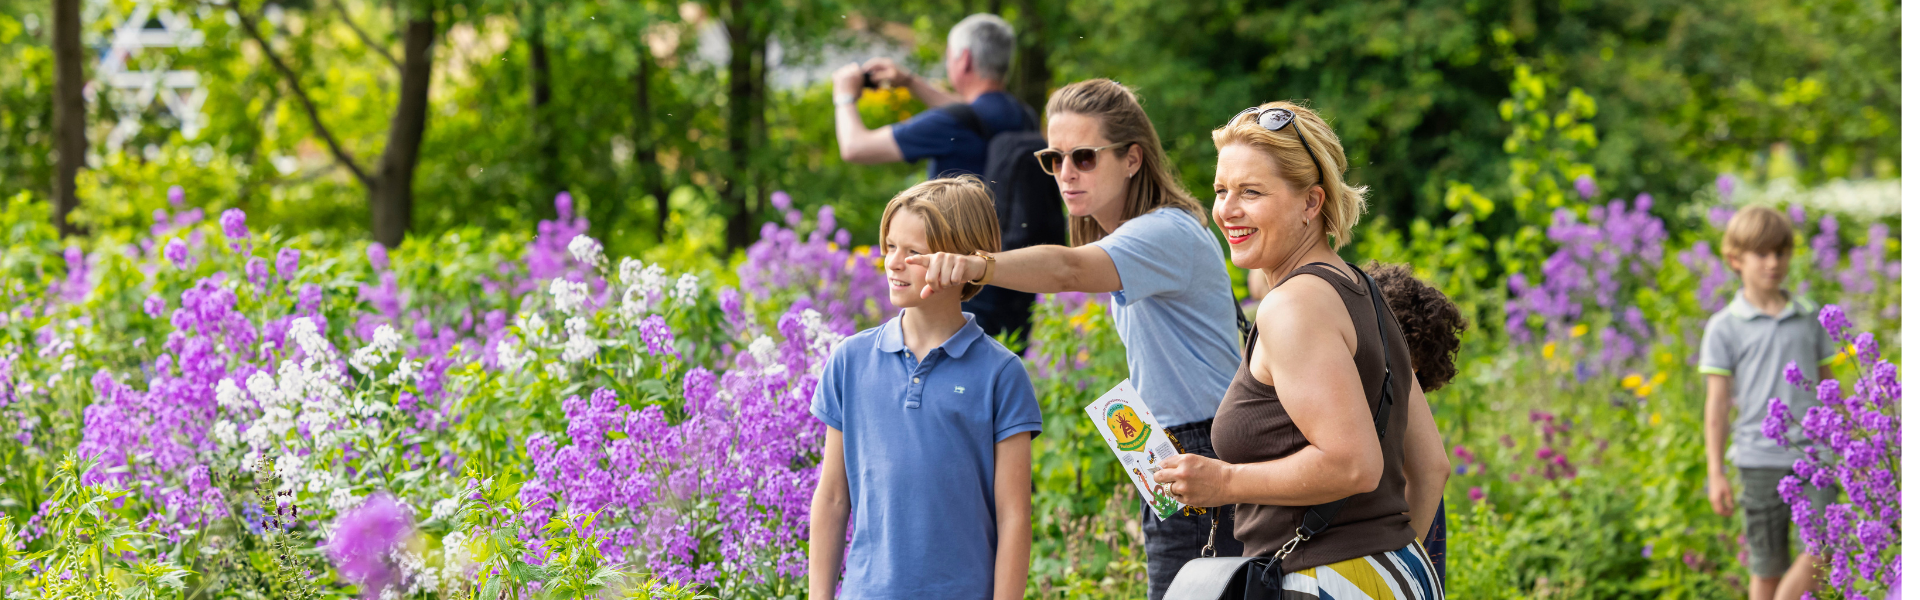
(833, 246)
(1659, 378)
(1547, 351)
(1653, 419)
(1644, 391)
(1580, 330)
(1632, 381)
(862, 249)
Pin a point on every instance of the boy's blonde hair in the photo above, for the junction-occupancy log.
(1344, 203)
(1756, 229)
(959, 215)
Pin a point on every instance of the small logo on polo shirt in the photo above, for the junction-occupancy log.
(959, 390)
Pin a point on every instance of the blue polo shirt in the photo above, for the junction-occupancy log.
(952, 147)
(919, 437)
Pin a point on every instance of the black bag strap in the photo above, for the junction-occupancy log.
(964, 113)
(1320, 517)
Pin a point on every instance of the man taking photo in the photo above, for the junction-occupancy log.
(975, 129)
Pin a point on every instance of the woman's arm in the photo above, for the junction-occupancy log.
(1425, 459)
(827, 525)
(1306, 348)
(1013, 508)
(1036, 269)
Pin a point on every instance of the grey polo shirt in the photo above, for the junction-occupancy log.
(1752, 349)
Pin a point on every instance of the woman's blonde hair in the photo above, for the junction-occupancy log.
(1344, 203)
(959, 215)
(1122, 120)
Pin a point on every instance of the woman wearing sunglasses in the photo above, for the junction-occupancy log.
(1326, 443)
(1137, 234)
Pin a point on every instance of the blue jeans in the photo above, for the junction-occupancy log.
(1179, 538)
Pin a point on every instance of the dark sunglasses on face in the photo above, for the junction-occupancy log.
(1085, 158)
(1275, 119)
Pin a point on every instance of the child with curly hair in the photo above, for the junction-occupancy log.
(1432, 326)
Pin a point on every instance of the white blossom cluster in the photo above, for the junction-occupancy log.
(820, 340)
(587, 251)
(645, 284)
(385, 341)
(687, 290)
(580, 344)
(762, 350)
(512, 356)
(568, 296)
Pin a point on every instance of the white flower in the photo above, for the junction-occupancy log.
(533, 327)
(633, 304)
(586, 250)
(225, 432)
(687, 289)
(653, 280)
(227, 393)
(458, 557)
(307, 335)
(510, 356)
(341, 500)
(443, 509)
(762, 349)
(320, 482)
(630, 270)
(289, 468)
(580, 344)
(404, 372)
(556, 370)
(568, 296)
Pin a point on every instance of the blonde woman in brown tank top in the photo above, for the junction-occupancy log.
(1296, 427)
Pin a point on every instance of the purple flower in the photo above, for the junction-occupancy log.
(364, 536)
(1646, 551)
(257, 271)
(1865, 346)
(563, 205)
(233, 222)
(176, 196)
(1797, 213)
(377, 256)
(154, 305)
(1726, 183)
(1585, 186)
(782, 201)
(176, 252)
(1775, 426)
(287, 263)
(1794, 376)
(1834, 319)
(1476, 494)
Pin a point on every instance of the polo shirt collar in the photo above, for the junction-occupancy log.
(893, 337)
(1739, 307)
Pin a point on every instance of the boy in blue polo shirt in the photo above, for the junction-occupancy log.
(929, 446)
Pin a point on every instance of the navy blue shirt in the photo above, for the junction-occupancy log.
(919, 437)
(950, 145)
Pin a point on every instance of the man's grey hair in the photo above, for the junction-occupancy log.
(991, 40)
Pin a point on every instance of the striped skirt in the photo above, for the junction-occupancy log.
(1403, 574)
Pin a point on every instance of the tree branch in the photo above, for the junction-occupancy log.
(313, 112)
(364, 38)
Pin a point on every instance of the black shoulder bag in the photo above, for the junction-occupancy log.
(1260, 577)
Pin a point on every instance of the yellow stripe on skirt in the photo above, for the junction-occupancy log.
(1404, 574)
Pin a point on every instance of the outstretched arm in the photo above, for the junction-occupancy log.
(857, 143)
(1037, 269)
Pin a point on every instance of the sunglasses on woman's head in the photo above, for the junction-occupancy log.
(1085, 158)
(1275, 119)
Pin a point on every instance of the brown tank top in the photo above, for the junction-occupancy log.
(1251, 426)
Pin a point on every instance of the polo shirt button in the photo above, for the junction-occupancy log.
(916, 380)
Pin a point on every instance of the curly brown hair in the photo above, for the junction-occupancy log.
(1431, 323)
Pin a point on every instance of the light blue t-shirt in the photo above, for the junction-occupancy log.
(1174, 312)
(1752, 349)
(919, 439)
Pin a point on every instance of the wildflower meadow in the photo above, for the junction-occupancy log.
(485, 300)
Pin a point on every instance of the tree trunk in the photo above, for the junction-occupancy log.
(392, 194)
(69, 111)
(733, 187)
(1031, 75)
(548, 160)
(646, 157)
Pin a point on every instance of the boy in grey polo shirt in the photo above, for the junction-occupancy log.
(1746, 347)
